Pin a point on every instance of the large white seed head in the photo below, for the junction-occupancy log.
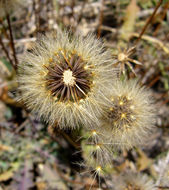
(66, 78)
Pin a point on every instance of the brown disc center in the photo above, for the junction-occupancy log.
(67, 78)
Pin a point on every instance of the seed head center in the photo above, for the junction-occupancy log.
(121, 56)
(68, 77)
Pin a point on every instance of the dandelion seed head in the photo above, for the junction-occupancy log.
(64, 79)
(130, 117)
(123, 58)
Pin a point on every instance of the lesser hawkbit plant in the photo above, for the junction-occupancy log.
(70, 81)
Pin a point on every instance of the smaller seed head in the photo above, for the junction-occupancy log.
(128, 121)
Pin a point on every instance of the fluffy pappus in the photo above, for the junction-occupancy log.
(130, 114)
(97, 154)
(64, 78)
(97, 172)
(134, 181)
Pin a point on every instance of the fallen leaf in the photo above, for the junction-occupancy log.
(143, 162)
(6, 175)
(5, 148)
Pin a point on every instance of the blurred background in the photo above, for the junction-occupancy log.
(33, 155)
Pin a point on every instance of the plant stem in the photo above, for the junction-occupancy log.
(5, 51)
(149, 21)
(12, 40)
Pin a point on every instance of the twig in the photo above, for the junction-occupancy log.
(164, 12)
(108, 28)
(70, 140)
(148, 21)
(144, 37)
(5, 51)
(153, 40)
(100, 18)
(163, 187)
(12, 40)
(154, 81)
(4, 29)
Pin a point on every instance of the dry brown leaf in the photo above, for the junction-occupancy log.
(143, 162)
(5, 148)
(41, 185)
(6, 175)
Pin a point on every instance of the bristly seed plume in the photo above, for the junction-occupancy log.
(130, 115)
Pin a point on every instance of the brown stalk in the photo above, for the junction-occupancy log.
(164, 12)
(4, 29)
(100, 19)
(76, 146)
(5, 50)
(149, 21)
(12, 40)
(163, 187)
